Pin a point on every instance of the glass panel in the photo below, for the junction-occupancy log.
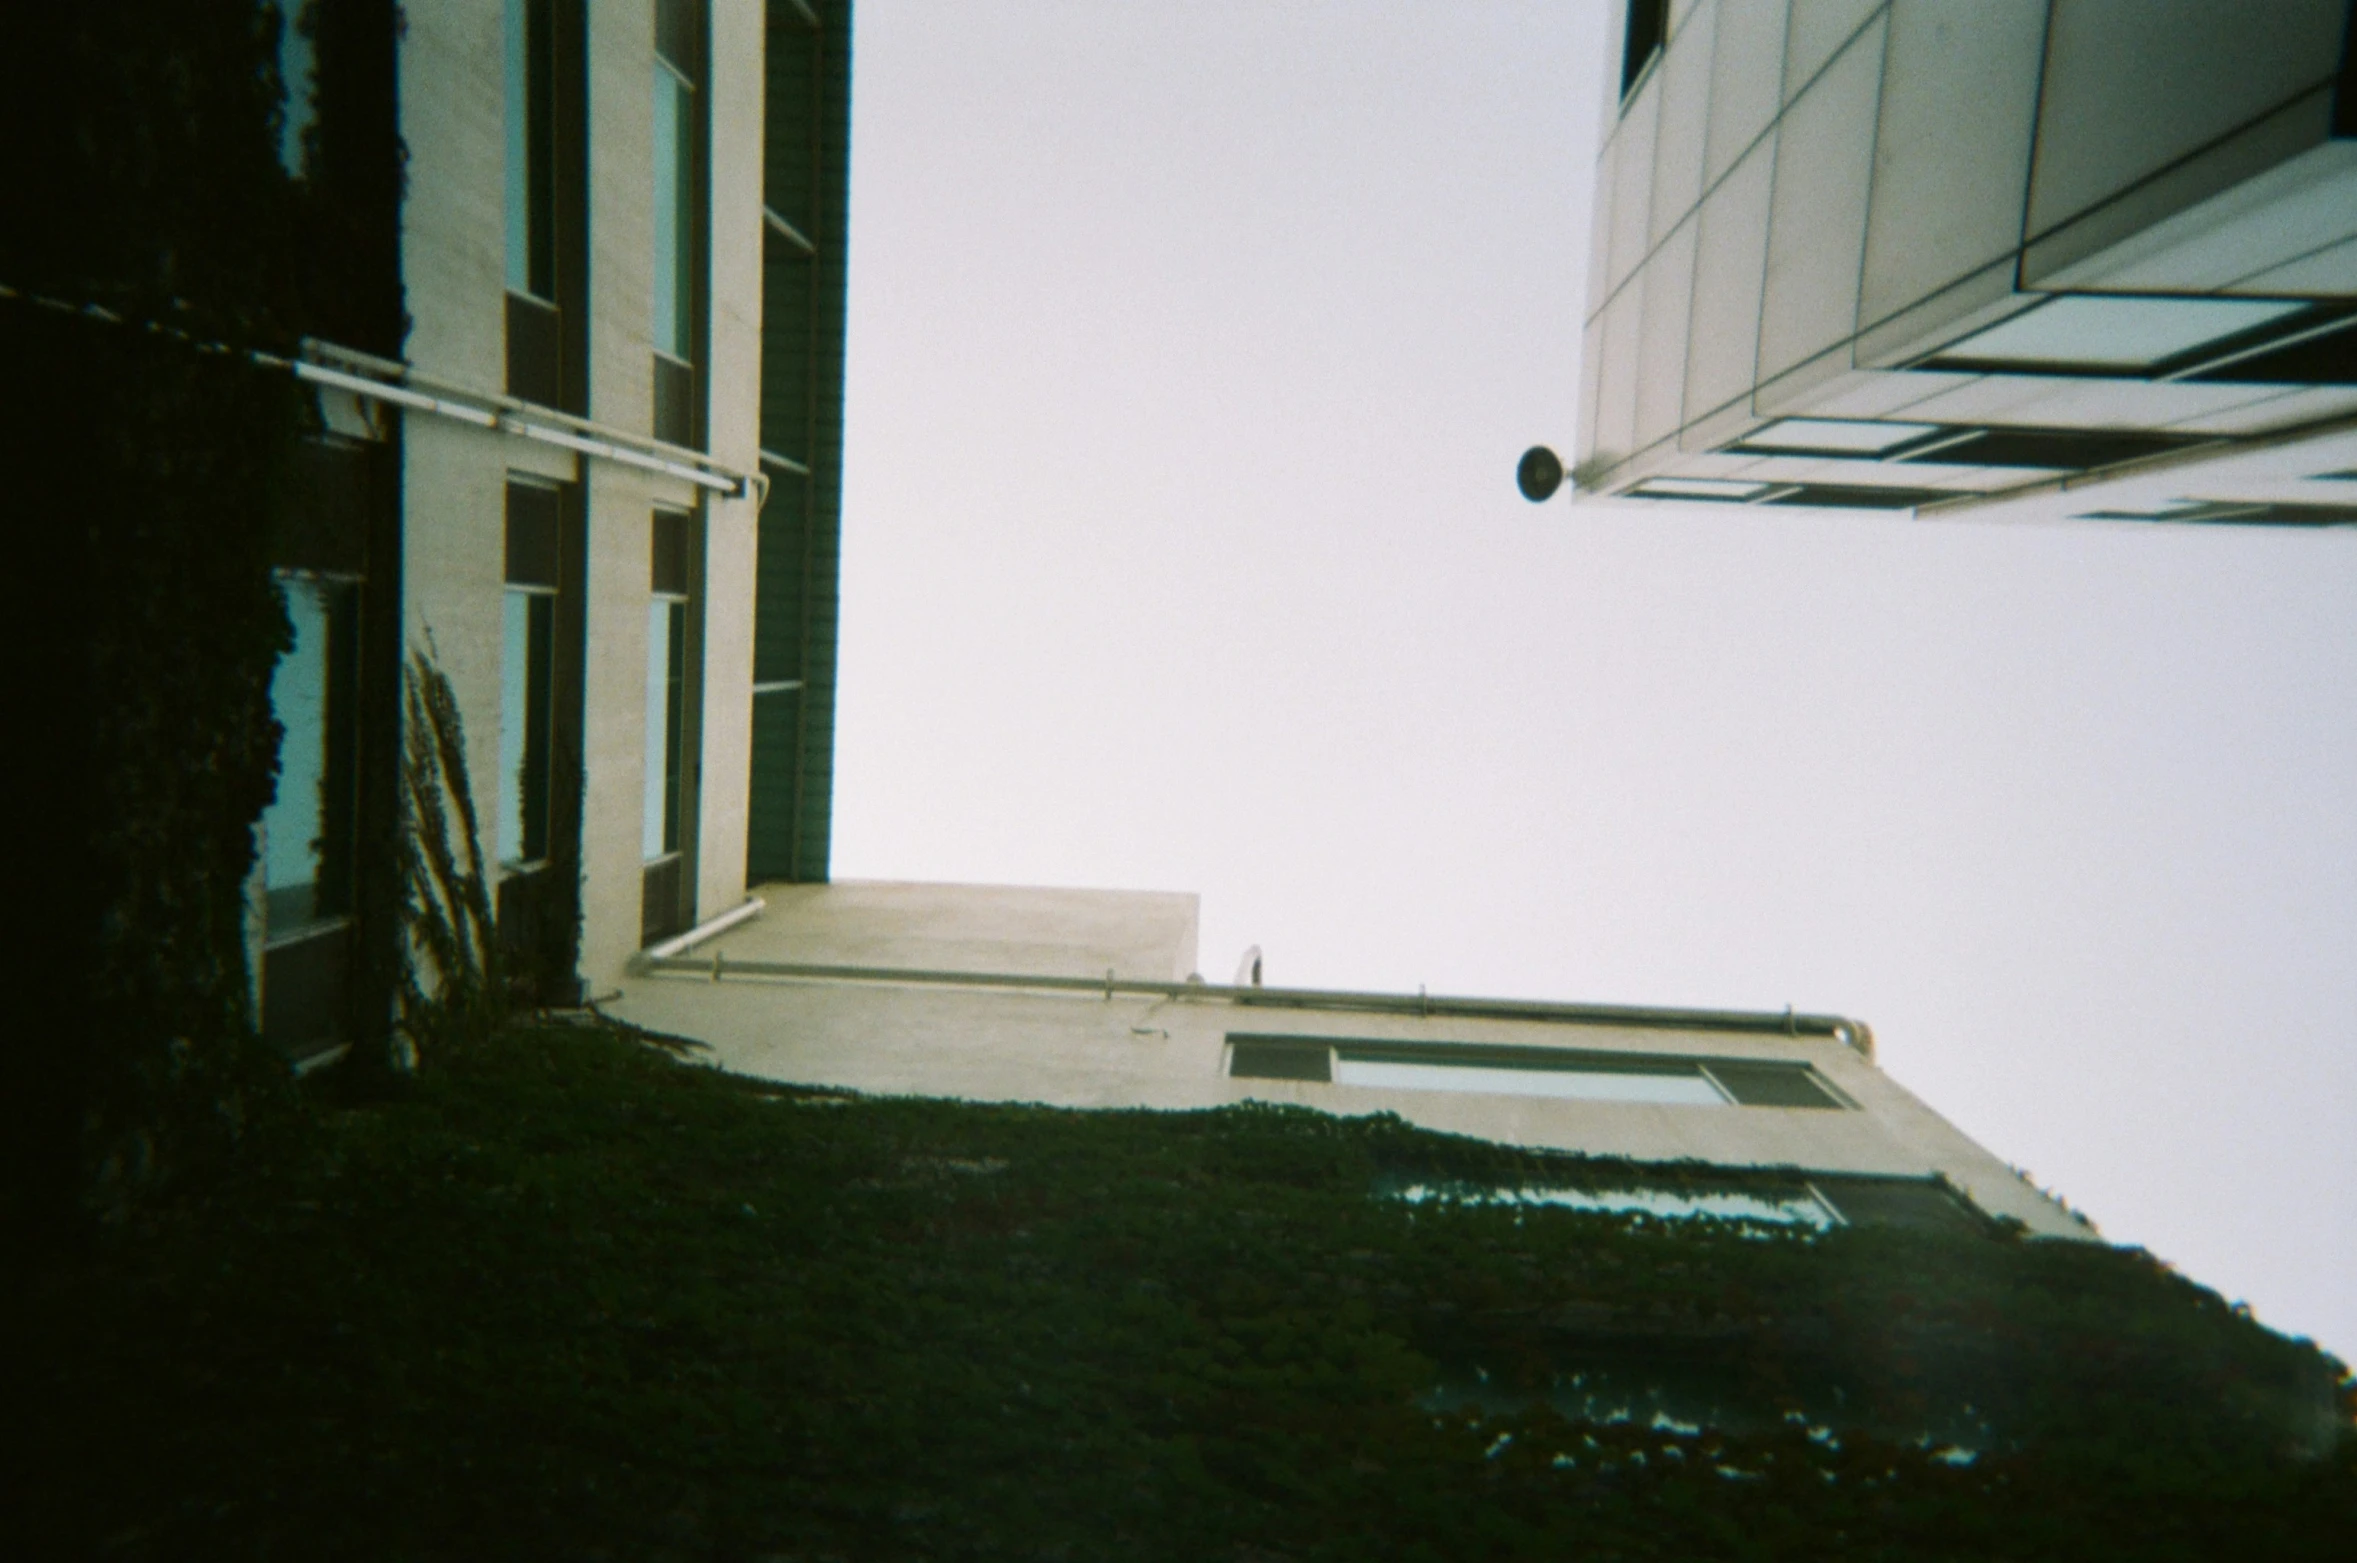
(294, 826)
(674, 168)
(655, 811)
(1686, 1089)
(519, 179)
(2116, 333)
(1842, 435)
(295, 70)
(515, 667)
(1696, 488)
(526, 705)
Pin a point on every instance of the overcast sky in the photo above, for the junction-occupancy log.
(1191, 349)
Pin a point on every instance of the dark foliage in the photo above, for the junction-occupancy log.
(146, 456)
(569, 1299)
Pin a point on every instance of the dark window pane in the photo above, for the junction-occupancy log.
(1280, 1060)
(670, 561)
(676, 33)
(662, 901)
(533, 527)
(1844, 496)
(675, 401)
(2070, 450)
(2330, 359)
(1649, 22)
(1771, 1085)
(535, 351)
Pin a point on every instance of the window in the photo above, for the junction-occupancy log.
(1832, 437)
(2068, 450)
(307, 829)
(1649, 25)
(1565, 1073)
(531, 150)
(535, 326)
(1722, 489)
(1847, 496)
(527, 695)
(296, 73)
(666, 688)
(2110, 333)
(678, 198)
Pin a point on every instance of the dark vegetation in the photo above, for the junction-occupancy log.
(150, 241)
(562, 1296)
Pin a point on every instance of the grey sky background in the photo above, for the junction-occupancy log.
(1191, 349)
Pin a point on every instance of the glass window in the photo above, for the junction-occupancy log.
(1696, 488)
(675, 187)
(1648, 25)
(526, 705)
(306, 828)
(2089, 331)
(1686, 1087)
(1834, 436)
(531, 150)
(666, 691)
(296, 73)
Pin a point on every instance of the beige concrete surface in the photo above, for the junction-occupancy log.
(1092, 1051)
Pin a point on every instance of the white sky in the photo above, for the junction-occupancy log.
(1191, 349)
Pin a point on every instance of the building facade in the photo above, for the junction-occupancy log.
(1090, 998)
(2029, 258)
(598, 485)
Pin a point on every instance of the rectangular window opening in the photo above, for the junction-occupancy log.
(1833, 437)
(2111, 334)
(1561, 1073)
(1648, 30)
(531, 149)
(307, 845)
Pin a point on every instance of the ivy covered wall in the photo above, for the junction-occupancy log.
(151, 238)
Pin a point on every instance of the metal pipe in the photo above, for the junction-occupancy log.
(671, 948)
(408, 387)
(1849, 1033)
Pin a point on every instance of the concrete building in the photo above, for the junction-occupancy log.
(1080, 998)
(599, 483)
(2031, 259)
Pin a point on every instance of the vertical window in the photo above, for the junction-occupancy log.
(527, 693)
(307, 829)
(295, 74)
(666, 688)
(677, 156)
(1648, 29)
(531, 150)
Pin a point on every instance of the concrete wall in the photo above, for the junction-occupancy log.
(1091, 1050)
(454, 480)
(1143, 934)
(1801, 197)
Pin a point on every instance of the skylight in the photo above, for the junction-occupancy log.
(1834, 436)
(2087, 331)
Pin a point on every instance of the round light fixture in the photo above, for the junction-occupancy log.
(1539, 474)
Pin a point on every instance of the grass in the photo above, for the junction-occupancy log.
(569, 1298)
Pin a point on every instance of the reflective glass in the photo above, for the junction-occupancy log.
(293, 826)
(1683, 1089)
(515, 675)
(1697, 488)
(2116, 332)
(519, 176)
(1846, 436)
(656, 808)
(674, 152)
